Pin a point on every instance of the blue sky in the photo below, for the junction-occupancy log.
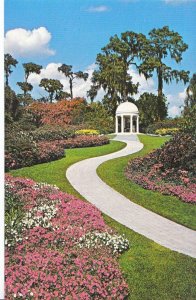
(74, 31)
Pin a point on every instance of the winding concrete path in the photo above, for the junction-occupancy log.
(83, 177)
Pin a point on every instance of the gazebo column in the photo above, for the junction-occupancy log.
(131, 123)
(122, 123)
(116, 124)
(137, 124)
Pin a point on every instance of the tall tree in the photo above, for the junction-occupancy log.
(67, 71)
(25, 87)
(163, 43)
(114, 63)
(53, 86)
(9, 62)
(30, 68)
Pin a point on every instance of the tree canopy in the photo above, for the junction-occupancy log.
(147, 55)
(9, 62)
(67, 71)
(113, 74)
(30, 68)
(53, 86)
(25, 87)
(150, 109)
(163, 43)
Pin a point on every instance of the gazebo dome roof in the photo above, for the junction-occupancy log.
(127, 108)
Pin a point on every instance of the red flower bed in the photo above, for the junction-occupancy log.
(43, 257)
(84, 141)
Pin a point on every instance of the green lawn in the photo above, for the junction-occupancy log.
(152, 271)
(54, 172)
(112, 172)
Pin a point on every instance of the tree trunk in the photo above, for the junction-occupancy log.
(6, 80)
(71, 87)
(160, 82)
(51, 96)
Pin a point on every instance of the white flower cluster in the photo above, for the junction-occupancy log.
(117, 243)
(38, 216)
(34, 219)
(40, 185)
(21, 295)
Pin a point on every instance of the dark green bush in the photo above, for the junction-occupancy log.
(179, 153)
(48, 133)
(22, 150)
(173, 123)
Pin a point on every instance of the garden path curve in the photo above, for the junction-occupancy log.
(83, 177)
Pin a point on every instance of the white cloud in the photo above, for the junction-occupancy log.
(22, 42)
(99, 9)
(176, 2)
(176, 102)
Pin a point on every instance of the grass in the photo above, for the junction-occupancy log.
(54, 172)
(112, 172)
(152, 271)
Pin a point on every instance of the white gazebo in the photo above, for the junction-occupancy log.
(127, 118)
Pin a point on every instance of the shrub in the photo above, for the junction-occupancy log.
(51, 133)
(179, 153)
(22, 150)
(169, 170)
(87, 132)
(167, 131)
(46, 262)
(81, 141)
(98, 118)
(170, 123)
(60, 113)
(189, 121)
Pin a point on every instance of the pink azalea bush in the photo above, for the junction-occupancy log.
(27, 149)
(169, 170)
(80, 141)
(44, 257)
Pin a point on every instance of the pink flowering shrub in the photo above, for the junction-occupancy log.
(37, 153)
(81, 141)
(24, 149)
(169, 170)
(46, 261)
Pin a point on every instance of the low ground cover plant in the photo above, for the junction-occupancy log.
(167, 131)
(87, 132)
(44, 257)
(169, 170)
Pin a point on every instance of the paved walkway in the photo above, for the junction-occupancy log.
(84, 179)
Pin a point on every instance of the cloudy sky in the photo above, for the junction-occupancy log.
(73, 32)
